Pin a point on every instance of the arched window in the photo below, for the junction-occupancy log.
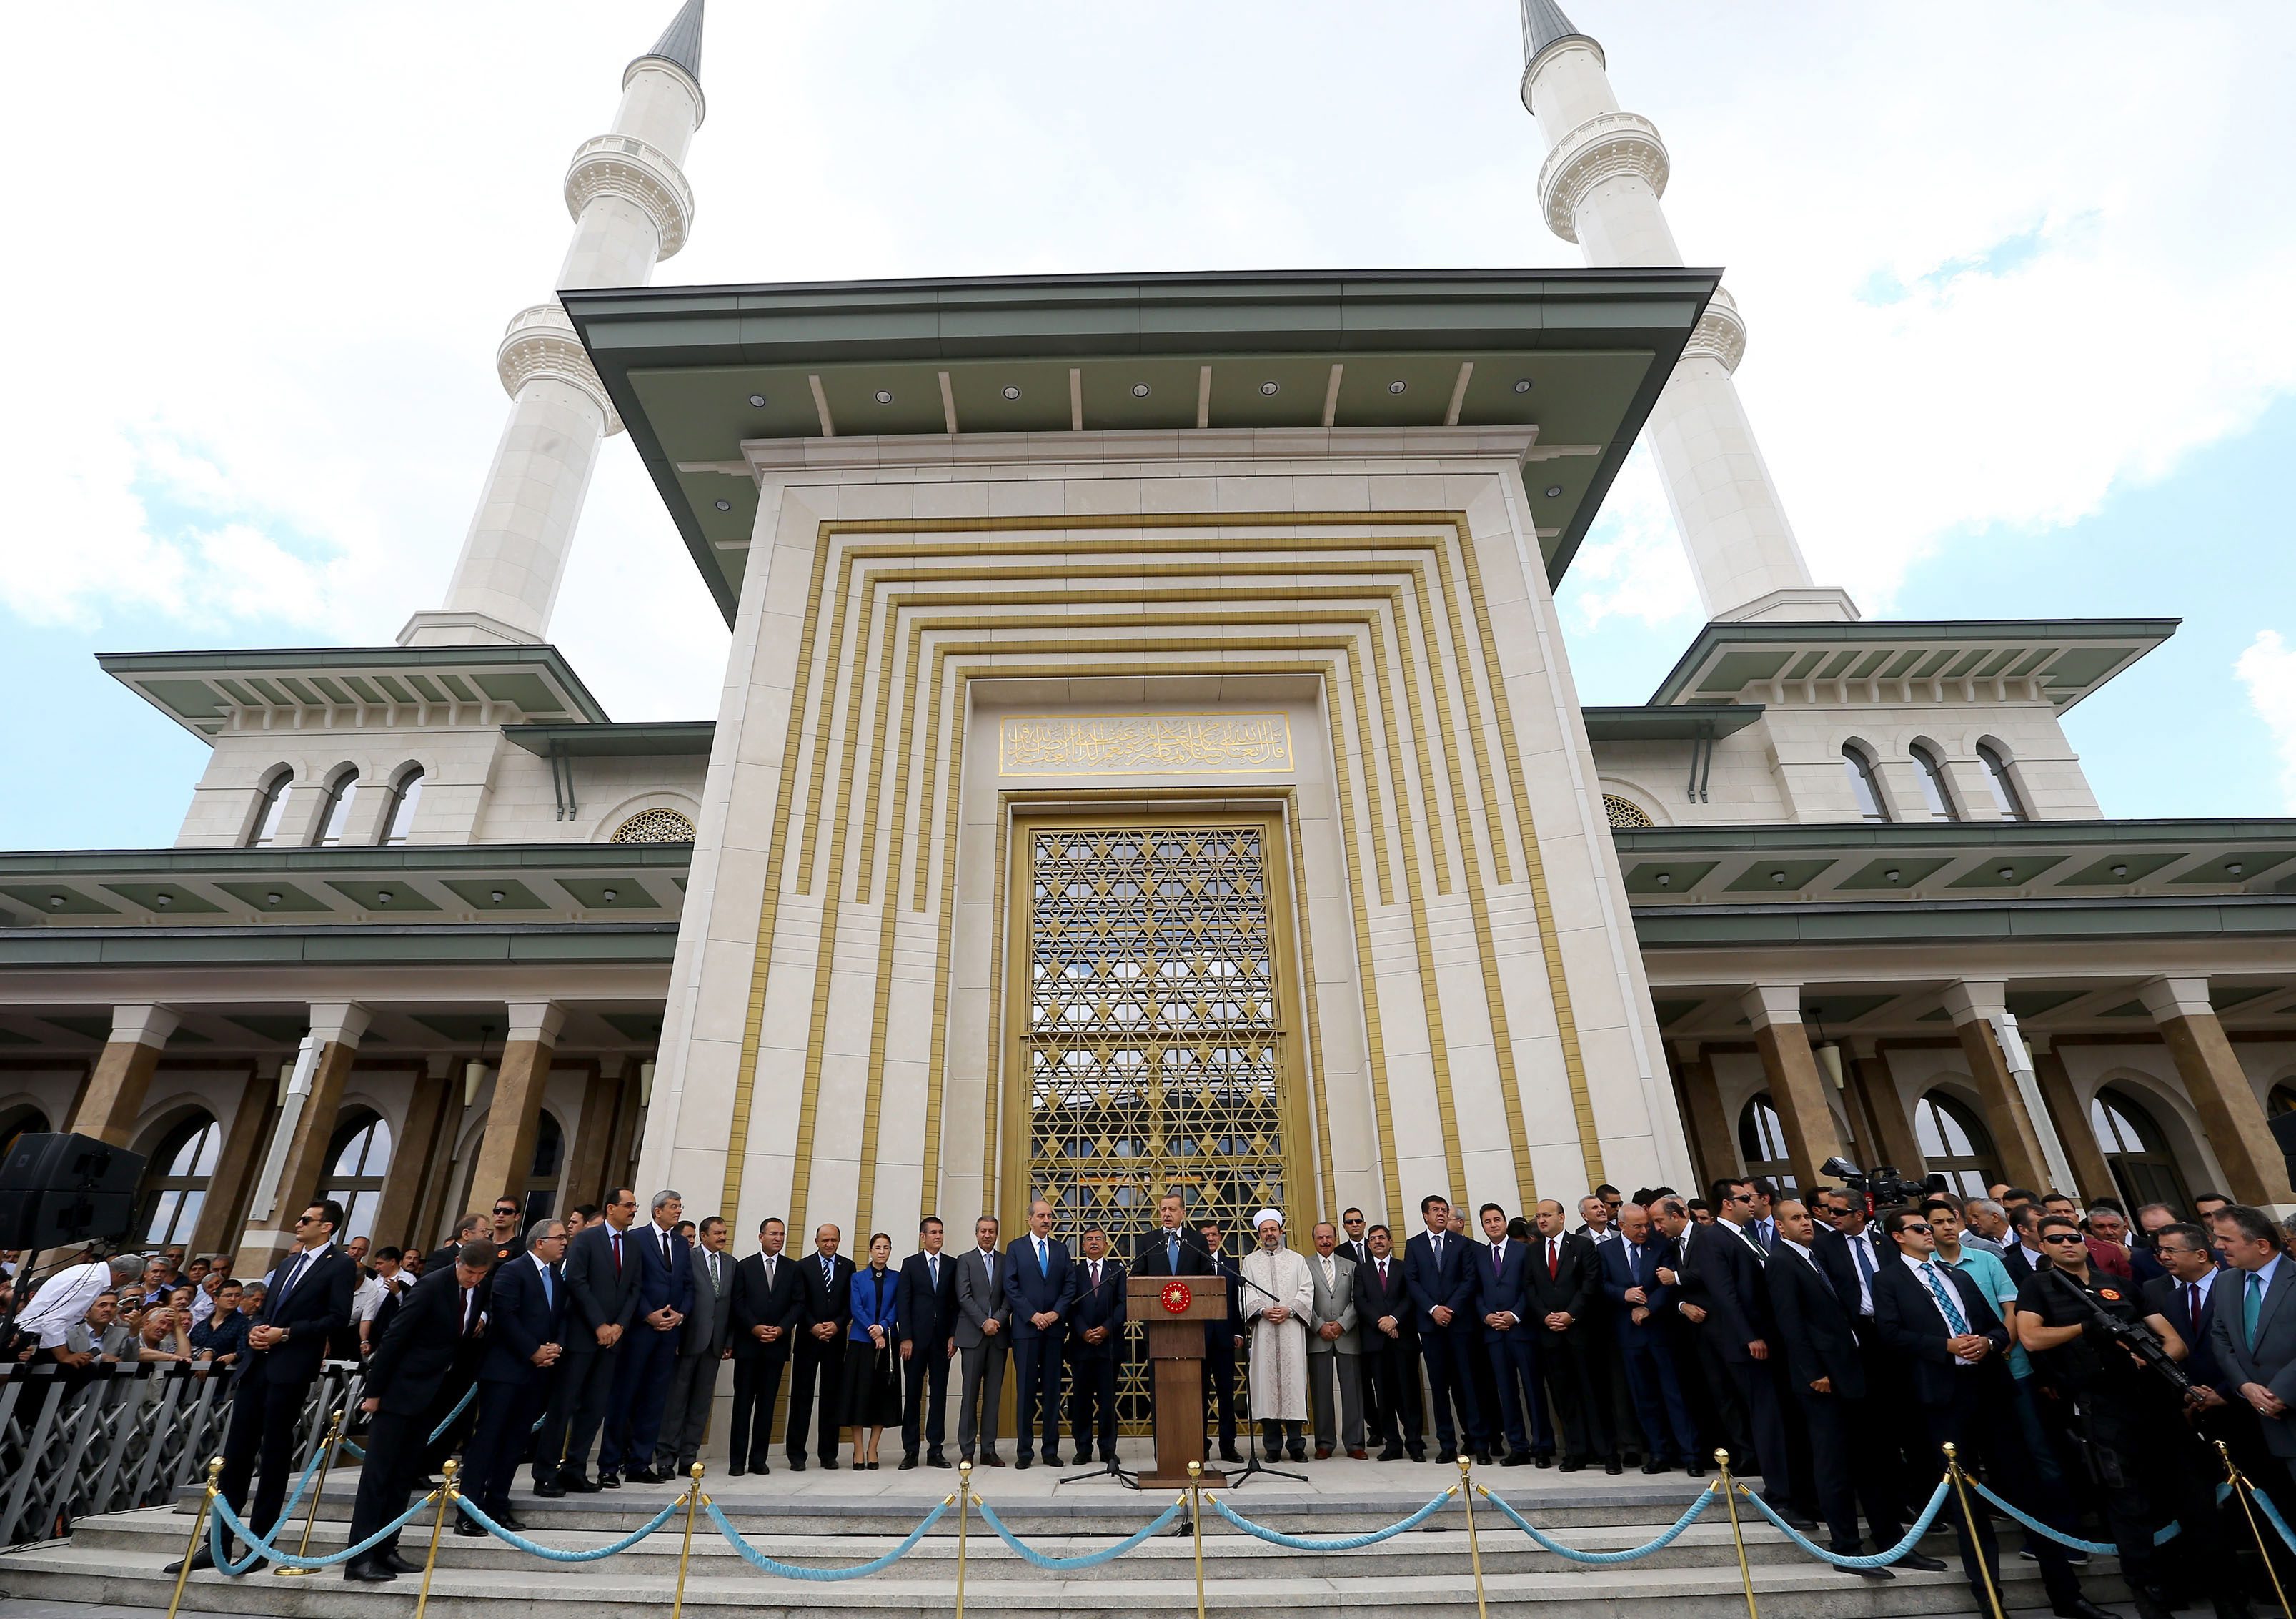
(341, 793)
(21, 1122)
(1762, 1142)
(1938, 796)
(176, 1186)
(1625, 811)
(270, 806)
(357, 1165)
(1864, 789)
(404, 794)
(2005, 796)
(1954, 1144)
(542, 1175)
(654, 826)
(2142, 1169)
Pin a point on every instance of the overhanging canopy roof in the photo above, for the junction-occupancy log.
(695, 372)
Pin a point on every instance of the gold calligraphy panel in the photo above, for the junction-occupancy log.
(1142, 744)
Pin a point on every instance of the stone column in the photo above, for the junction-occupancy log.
(289, 1178)
(1797, 1089)
(2255, 1171)
(1711, 1145)
(1893, 1142)
(585, 1153)
(218, 1227)
(115, 1090)
(2016, 1138)
(2080, 1140)
(506, 1152)
(426, 1111)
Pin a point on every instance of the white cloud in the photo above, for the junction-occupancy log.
(1631, 564)
(2267, 671)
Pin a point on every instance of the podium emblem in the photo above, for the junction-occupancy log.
(1175, 1297)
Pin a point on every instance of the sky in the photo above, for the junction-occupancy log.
(2015, 276)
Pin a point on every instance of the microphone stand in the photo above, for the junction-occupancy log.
(1252, 1464)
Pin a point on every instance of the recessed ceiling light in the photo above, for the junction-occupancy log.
(1522, 384)
(2235, 867)
(1395, 386)
(2007, 873)
(382, 896)
(1011, 392)
(2121, 871)
(1554, 491)
(497, 896)
(758, 401)
(1779, 878)
(1139, 390)
(163, 900)
(884, 396)
(725, 506)
(1894, 875)
(1267, 388)
(55, 902)
(271, 899)
(1666, 879)
(611, 894)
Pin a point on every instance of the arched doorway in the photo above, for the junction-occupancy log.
(357, 1162)
(1762, 1142)
(175, 1181)
(1954, 1144)
(543, 1174)
(2144, 1170)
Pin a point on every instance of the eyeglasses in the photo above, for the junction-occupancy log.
(303, 1219)
(1739, 1197)
(2062, 1237)
(1914, 1225)
(505, 1208)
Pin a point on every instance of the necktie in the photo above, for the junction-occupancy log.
(988, 1263)
(1172, 1253)
(1382, 1275)
(2192, 1309)
(1822, 1277)
(617, 1254)
(716, 1280)
(1762, 1234)
(665, 1250)
(1953, 1316)
(466, 1312)
(932, 1270)
(1554, 1258)
(1044, 1264)
(295, 1274)
(1498, 1258)
(828, 1271)
(549, 1292)
(769, 1273)
(1439, 1253)
(1095, 1276)
(2251, 1305)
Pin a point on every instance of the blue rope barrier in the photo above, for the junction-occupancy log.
(1348, 1543)
(359, 1454)
(1604, 1559)
(2034, 1526)
(1091, 1559)
(790, 1570)
(260, 1549)
(509, 1537)
(1880, 1559)
(2270, 1512)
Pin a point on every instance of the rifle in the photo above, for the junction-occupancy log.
(2134, 1336)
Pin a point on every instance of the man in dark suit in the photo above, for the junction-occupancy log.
(1561, 1290)
(648, 1356)
(705, 1339)
(524, 1342)
(1171, 1247)
(824, 1318)
(1040, 1282)
(769, 1311)
(1438, 1270)
(2252, 1331)
(306, 1301)
(403, 1375)
(1223, 1340)
(1388, 1325)
(1954, 1347)
(1640, 1309)
(924, 1304)
(1510, 1335)
(601, 1301)
(1722, 1274)
(1826, 1371)
(1096, 1347)
(1355, 1242)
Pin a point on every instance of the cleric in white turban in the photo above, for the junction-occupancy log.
(1279, 1296)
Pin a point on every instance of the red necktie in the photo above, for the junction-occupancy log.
(1551, 1265)
(617, 1254)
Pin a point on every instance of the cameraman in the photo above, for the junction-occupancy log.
(2128, 1417)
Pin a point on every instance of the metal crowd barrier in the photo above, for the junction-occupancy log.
(75, 1443)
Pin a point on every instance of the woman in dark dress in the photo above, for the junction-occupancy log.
(872, 1376)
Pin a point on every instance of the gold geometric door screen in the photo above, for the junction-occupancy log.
(1153, 1036)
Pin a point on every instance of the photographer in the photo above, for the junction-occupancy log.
(2079, 1322)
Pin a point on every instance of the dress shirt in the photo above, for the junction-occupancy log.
(1331, 1269)
(1044, 1255)
(2262, 1280)
(716, 1275)
(1172, 1252)
(301, 1263)
(1554, 1257)
(1922, 1271)
(932, 1270)
(1095, 1274)
(2191, 1298)
(549, 1282)
(989, 1263)
(1864, 1261)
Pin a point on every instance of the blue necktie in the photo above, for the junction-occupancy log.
(549, 1292)
(1172, 1253)
(1953, 1316)
(2251, 1305)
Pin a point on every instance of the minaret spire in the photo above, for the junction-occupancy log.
(1544, 26)
(681, 42)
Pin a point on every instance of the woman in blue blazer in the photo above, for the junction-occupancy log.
(873, 1370)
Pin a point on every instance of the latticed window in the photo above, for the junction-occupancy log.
(357, 1168)
(176, 1187)
(1954, 1144)
(655, 827)
(1625, 811)
(1762, 1142)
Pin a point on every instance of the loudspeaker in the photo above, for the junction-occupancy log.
(57, 1190)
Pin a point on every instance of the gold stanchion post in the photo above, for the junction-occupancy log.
(1474, 1546)
(447, 1496)
(1196, 1522)
(2241, 1487)
(1969, 1517)
(1730, 1488)
(964, 1512)
(199, 1522)
(693, 1505)
(330, 1448)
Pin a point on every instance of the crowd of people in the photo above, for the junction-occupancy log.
(2083, 1364)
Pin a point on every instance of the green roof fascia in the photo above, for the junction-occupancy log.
(1315, 314)
(376, 945)
(1676, 688)
(420, 858)
(1946, 836)
(1962, 923)
(633, 739)
(1675, 724)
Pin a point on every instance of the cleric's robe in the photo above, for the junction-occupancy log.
(1279, 1349)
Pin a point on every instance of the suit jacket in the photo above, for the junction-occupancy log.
(824, 1301)
(662, 1282)
(1841, 1265)
(1101, 1306)
(1905, 1315)
(597, 1294)
(1360, 1252)
(520, 1319)
(756, 1304)
(1818, 1325)
(927, 1310)
(1452, 1282)
(1372, 1302)
(313, 1313)
(414, 1356)
(2164, 1295)
(1619, 1268)
(1505, 1286)
(1573, 1286)
(875, 1304)
(1336, 1302)
(1030, 1290)
(708, 1327)
(1149, 1257)
(2014, 1260)
(2271, 1359)
(980, 1298)
(1722, 1275)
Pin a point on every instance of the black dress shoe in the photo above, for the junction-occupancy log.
(367, 1571)
(202, 1558)
(1483, 1459)
(1392, 1453)
(1614, 1466)
(609, 1480)
(1024, 1461)
(1544, 1459)
(1298, 1452)
(549, 1489)
(796, 1465)
(577, 1484)
(1231, 1454)
(1793, 1518)
(907, 1462)
(989, 1458)
(1922, 1563)
(397, 1561)
(1516, 1459)
(936, 1460)
(1571, 1464)
(1445, 1455)
(1878, 1571)
(1053, 1458)
(737, 1470)
(1654, 1465)
(1694, 1469)
(504, 1516)
(469, 1527)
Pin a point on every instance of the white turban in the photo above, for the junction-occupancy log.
(1264, 1216)
(62, 1301)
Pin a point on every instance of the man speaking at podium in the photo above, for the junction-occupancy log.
(1172, 1249)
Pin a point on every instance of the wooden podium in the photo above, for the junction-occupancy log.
(1173, 1310)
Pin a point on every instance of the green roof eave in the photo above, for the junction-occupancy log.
(636, 739)
(1963, 924)
(444, 945)
(1949, 835)
(1677, 724)
(340, 859)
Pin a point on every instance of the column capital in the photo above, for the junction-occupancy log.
(143, 1022)
(1766, 1004)
(1971, 1000)
(339, 1023)
(2167, 998)
(1864, 1047)
(533, 1022)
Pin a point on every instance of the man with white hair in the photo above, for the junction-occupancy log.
(1279, 1298)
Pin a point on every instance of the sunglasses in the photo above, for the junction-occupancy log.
(1916, 1225)
(2062, 1236)
(504, 1209)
